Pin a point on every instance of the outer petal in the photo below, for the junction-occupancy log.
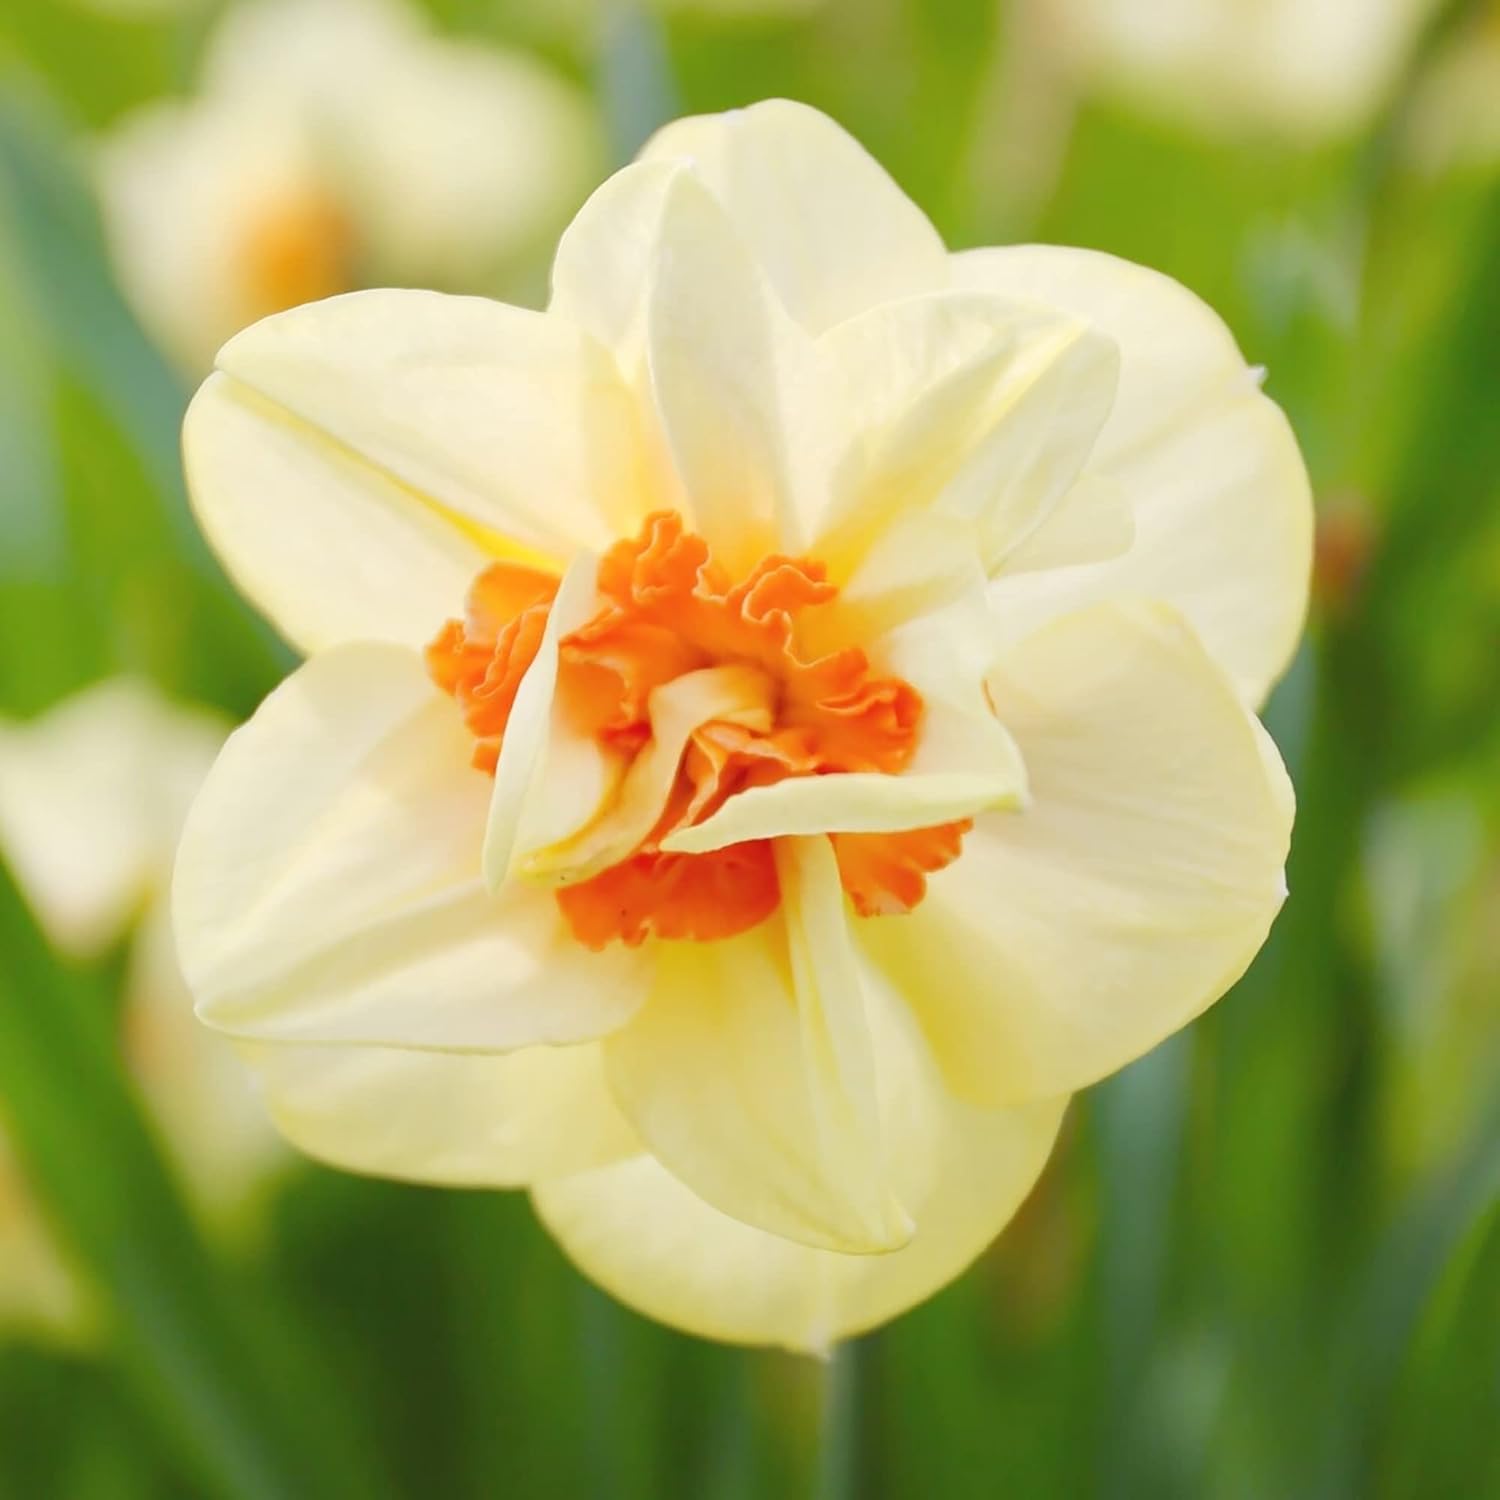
(959, 1170)
(356, 456)
(982, 408)
(832, 230)
(1131, 893)
(328, 885)
(1223, 516)
(748, 1073)
(465, 1120)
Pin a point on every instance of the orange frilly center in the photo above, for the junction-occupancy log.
(667, 609)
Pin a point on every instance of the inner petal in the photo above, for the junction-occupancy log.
(698, 688)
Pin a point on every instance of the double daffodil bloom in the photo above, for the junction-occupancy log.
(775, 724)
(92, 798)
(335, 144)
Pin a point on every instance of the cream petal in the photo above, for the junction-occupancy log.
(734, 694)
(1091, 523)
(833, 232)
(982, 408)
(1135, 888)
(606, 258)
(959, 1170)
(513, 421)
(739, 390)
(355, 461)
(463, 1120)
(327, 547)
(529, 798)
(328, 883)
(748, 1071)
(1208, 465)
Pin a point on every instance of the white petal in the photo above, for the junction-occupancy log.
(1208, 465)
(329, 548)
(328, 885)
(748, 1072)
(832, 230)
(983, 408)
(738, 387)
(960, 1171)
(512, 420)
(524, 799)
(464, 1120)
(1134, 889)
(606, 258)
(734, 694)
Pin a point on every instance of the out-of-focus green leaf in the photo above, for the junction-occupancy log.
(232, 1389)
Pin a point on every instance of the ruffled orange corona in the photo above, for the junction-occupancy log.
(667, 609)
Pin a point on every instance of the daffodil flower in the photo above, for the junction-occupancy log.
(92, 798)
(776, 723)
(335, 144)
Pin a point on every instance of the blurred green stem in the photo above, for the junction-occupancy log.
(211, 1359)
(838, 1441)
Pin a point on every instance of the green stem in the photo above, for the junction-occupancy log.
(838, 1443)
(215, 1363)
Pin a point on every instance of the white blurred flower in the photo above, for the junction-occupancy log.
(335, 143)
(1455, 118)
(92, 798)
(1306, 68)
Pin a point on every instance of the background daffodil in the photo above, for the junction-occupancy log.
(842, 747)
(333, 144)
(92, 798)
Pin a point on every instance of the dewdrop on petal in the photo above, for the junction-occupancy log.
(775, 724)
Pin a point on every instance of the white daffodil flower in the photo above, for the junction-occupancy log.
(334, 144)
(840, 748)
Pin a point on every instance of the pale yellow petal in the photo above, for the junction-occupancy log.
(960, 1171)
(539, 739)
(1133, 890)
(607, 255)
(1091, 523)
(464, 1120)
(982, 408)
(833, 232)
(329, 548)
(738, 387)
(748, 1071)
(513, 422)
(328, 887)
(732, 694)
(1207, 464)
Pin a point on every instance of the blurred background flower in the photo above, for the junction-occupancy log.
(1264, 1259)
(1312, 70)
(334, 144)
(92, 798)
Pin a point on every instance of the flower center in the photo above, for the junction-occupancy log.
(674, 641)
(298, 248)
